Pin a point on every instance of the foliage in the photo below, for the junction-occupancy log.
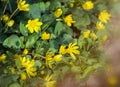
(43, 39)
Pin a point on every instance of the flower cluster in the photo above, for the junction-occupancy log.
(44, 39)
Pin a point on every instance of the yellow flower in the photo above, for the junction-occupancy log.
(86, 34)
(100, 26)
(10, 23)
(23, 76)
(104, 38)
(62, 50)
(104, 16)
(58, 13)
(49, 82)
(112, 80)
(3, 57)
(73, 49)
(5, 18)
(88, 5)
(49, 59)
(69, 20)
(29, 66)
(22, 6)
(12, 69)
(45, 36)
(34, 25)
(57, 58)
(25, 51)
(93, 35)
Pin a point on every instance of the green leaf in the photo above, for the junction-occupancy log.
(31, 40)
(18, 63)
(35, 10)
(59, 28)
(82, 21)
(37, 63)
(23, 29)
(12, 41)
(15, 85)
(53, 45)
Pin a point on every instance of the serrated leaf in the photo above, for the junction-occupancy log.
(12, 41)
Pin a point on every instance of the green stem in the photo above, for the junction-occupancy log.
(13, 13)
(5, 7)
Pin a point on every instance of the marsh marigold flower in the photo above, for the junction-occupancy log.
(58, 13)
(100, 26)
(34, 25)
(22, 6)
(3, 57)
(73, 49)
(112, 80)
(29, 66)
(104, 16)
(88, 5)
(45, 36)
(68, 20)
(5, 18)
(86, 34)
(10, 23)
(62, 49)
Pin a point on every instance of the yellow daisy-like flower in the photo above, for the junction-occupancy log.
(58, 13)
(3, 57)
(10, 23)
(88, 5)
(73, 49)
(29, 66)
(25, 51)
(23, 76)
(94, 36)
(49, 82)
(86, 34)
(104, 38)
(22, 6)
(57, 58)
(45, 36)
(100, 26)
(5, 18)
(49, 59)
(62, 50)
(68, 20)
(34, 25)
(104, 16)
